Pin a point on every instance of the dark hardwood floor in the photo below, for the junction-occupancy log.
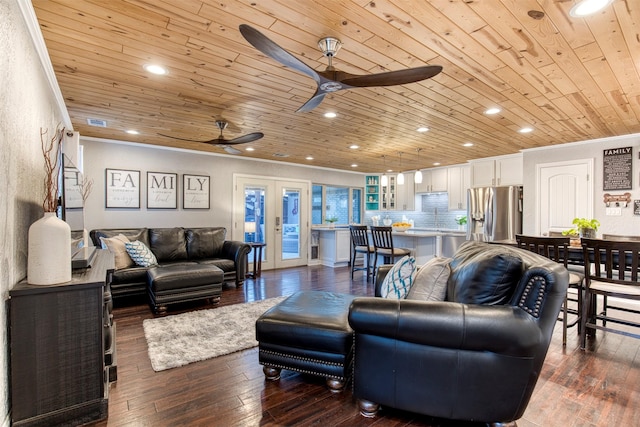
(597, 387)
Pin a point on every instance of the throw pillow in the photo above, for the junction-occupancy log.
(116, 245)
(430, 283)
(398, 280)
(141, 254)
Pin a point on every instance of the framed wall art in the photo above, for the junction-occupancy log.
(195, 191)
(162, 190)
(122, 189)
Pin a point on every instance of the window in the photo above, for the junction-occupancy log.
(343, 203)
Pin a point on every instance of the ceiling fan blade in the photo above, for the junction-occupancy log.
(190, 140)
(272, 50)
(312, 103)
(245, 138)
(392, 78)
(229, 149)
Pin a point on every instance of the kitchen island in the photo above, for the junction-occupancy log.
(334, 244)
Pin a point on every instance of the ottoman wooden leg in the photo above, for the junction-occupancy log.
(271, 373)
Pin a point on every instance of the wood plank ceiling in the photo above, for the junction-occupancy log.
(570, 79)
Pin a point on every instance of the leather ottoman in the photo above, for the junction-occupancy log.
(309, 333)
(172, 284)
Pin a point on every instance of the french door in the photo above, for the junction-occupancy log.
(275, 212)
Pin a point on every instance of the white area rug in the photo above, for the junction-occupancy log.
(198, 335)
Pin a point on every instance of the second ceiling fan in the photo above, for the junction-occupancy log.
(226, 144)
(332, 80)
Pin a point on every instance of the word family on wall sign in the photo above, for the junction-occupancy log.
(617, 170)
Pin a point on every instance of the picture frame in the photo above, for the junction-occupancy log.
(195, 191)
(122, 188)
(162, 190)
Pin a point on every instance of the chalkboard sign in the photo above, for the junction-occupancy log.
(617, 169)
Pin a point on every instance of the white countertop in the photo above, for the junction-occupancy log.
(412, 232)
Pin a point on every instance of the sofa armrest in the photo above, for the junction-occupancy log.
(381, 273)
(500, 329)
(236, 251)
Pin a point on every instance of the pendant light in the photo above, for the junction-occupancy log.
(417, 178)
(400, 174)
(383, 179)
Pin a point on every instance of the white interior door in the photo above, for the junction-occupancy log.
(565, 191)
(274, 212)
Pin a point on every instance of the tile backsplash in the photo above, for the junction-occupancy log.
(434, 213)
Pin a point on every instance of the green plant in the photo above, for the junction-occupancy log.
(582, 224)
(461, 220)
(331, 219)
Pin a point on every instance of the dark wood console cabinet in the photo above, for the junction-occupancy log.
(63, 348)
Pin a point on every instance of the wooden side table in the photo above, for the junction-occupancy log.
(256, 247)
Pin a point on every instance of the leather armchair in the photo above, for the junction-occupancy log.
(455, 359)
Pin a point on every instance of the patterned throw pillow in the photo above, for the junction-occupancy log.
(116, 245)
(398, 281)
(141, 254)
(430, 283)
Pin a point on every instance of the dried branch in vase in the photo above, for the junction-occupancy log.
(86, 185)
(51, 153)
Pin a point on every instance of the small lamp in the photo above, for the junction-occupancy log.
(250, 227)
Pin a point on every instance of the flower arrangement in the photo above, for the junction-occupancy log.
(51, 152)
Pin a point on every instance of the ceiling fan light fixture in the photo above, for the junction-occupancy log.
(588, 7)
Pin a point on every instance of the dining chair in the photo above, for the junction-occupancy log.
(557, 249)
(383, 246)
(611, 270)
(360, 245)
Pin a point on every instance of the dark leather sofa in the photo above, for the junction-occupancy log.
(175, 246)
(474, 357)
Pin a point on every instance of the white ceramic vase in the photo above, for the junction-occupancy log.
(49, 257)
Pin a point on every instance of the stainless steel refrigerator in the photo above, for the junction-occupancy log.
(494, 213)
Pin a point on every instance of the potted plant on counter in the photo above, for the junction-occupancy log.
(461, 221)
(331, 220)
(584, 228)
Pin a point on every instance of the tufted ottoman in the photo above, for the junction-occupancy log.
(308, 332)
(171, 284)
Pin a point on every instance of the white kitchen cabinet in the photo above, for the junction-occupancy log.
(406, 200)
(497, 171)
(335, 246)
(433, 181)
(458, 183)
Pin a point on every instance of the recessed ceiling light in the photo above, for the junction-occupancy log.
(526, 130)
(354, 147)
(436, 164)
(156, 69)
(133, 132)
(494, 110)
(468, 144)
(354, 165)
(250, 149)
(309, 158)
(422, 129)
(588, 7)
(330, 115)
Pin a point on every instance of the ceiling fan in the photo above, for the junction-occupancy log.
(225, 143)
(332, 80)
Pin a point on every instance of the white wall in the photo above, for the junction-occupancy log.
(628, 223)
(26, 104)
(100, 154)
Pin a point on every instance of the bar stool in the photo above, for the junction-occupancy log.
(557, 249)
(360, 245)
(383, 246)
